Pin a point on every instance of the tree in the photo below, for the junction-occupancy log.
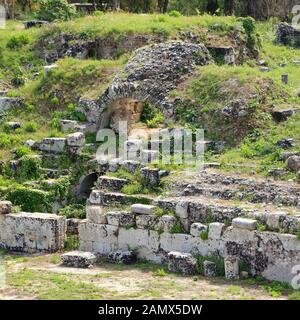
(116, 5)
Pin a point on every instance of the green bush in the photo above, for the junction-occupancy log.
(219, 261)
(204, 235)
(21, 151)
(152, 116)
(29, 167)
(31, 127)
(73, 211)
(17, 42)
(175, 13)
(51, 10)
(30, 200)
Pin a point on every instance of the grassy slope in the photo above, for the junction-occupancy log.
(89, 78)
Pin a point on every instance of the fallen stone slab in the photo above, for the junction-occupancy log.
(244, 223)
(122, 257)
(78, 259)
(183, 263)
(197, 229)
(142, 209)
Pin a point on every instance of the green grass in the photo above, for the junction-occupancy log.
(112, 23)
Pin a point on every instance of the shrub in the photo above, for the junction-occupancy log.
(204, 235)
(21, 151)
(175, 13)
(30, 200)
(17, 42)
(52, 10)
(31, 127)
(177, 228)
(29, 167)
(219, 261)
(156, 121)
(73, 211)
(72, 242)
(152, 116)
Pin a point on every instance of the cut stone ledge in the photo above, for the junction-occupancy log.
(78, 259)
(142, 209)
(243, 223)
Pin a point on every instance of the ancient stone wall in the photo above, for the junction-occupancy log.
(272, 255)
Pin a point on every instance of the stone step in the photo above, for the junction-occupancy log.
(206, 210)
(237, 188)
(110, 183)
(107, 199)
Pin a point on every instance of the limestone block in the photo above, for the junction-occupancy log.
(215, 230)
(177, 242)
(144, 242)
(72, 226)
(76, 139)
(151, 176)
(94, 214)
(8, 103)
(243, 223)
(67, 125)
(133, 146)
(95, 198)
(5, 207)
(273, 219)
(182, 209)
(122, 257)
(166, 223)
(197, 229)
(210, 269)
(142, 209)
(33, 232)
(183, 263)
(232, 268)
(114, 165)
(146, 221)
(78, 259)
(131, 166)
(120, 219)
(54, 145)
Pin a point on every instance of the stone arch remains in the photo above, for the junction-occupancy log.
(86, 184)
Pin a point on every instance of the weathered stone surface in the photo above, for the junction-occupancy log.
(72, 226)
(7, 103)
(182, 209)
(215, 230)
(32, 232)
(243, 223)
(197, 229)
(210, 269)
(286, 143)
(293, 163)
(111, 183)
(288, 35)
(120, 219)
(76, 139)
(146, 221)
(151, 176)
(34, 23)
(5, 207)
(122, 257)
(183, 263)
(67, 125)
(52, 145)
(94, 214)
(98, 238)
(47, 69)
(78, 259)
(149, 156)
(13, 125)
(166, 223)
(142, 209)
(95, 198)
(131, 166)
(274, 220)
(232, 268)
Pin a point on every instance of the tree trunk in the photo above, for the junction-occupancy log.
(166, 5)
(116, 5)
(229, 7)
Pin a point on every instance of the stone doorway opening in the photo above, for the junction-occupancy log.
(126, 109)
(86, 184)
